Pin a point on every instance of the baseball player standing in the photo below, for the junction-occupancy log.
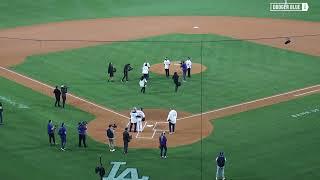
(172, 119)
(51, 129)
(57, 94)
(140, 117)
(133, 119)
(63, 136)
(189, 65)
(166, 63)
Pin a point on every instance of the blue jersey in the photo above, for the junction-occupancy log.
(63, 132)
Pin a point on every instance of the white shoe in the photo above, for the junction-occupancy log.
(161, 156)
(165, 157)
(170, 132)
(63, 149)
(112, 150)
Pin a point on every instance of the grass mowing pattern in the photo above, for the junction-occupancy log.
(254, 142)
(17, 13)
(237, 72)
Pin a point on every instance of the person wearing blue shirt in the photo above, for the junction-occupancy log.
(51, 129)
(163, 145)
(184, 70)
(82, 130)
(63, 136)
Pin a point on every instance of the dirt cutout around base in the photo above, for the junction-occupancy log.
(175, 67)
(189, 129)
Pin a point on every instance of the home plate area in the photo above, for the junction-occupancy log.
(151, 129)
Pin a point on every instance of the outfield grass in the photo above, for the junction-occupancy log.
(266, 143)
(237, 72)
(17, 13)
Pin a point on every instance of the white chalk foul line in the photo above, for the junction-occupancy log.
(307, 93)
(249, 102)
(36, 81)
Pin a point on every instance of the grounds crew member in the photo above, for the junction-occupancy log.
(166, 63)
(126, 69)
(82, 130)
(163, 145)
(64, 90)
(110, 136)
(63, 136)
(57, 94)
(1, 113)
(51, 129)
(126, 139)
(175, 78)
(172, 119)
(221, 160)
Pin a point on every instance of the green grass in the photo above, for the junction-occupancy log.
(237, 72)
(17, 13)
(266, 143)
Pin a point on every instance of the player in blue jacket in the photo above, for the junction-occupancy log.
(63, 136)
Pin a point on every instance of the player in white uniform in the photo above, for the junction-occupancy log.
(133, 119)
(166, 63)
(146, 70)
(189, 66)
(172, 119)
(143, 84)
(140, 116)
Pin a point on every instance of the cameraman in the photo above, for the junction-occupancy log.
(64, 91)
(82, 129)
(110, 136)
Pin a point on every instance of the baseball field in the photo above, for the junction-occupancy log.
(250, 94)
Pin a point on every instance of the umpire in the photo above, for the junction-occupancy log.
(82, 130)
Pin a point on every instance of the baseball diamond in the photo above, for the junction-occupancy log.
(230, 90)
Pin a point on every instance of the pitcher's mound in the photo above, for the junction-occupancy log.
(175, 67)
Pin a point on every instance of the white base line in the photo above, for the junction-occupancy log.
(67, 94)
(307, 93)
(249, 102)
